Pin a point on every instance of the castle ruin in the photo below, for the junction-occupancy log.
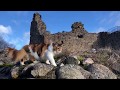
(78, 39)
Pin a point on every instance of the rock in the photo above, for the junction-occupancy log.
(78, 25)
(69, 71)
(84, 72)
(100, 71)
(15, 72)
(43, 71)
(3, 76)
(1, 62)
(37, 29)
(5, 72)
(71, 60)
(114, 63)
(26, 72)
(88, 61)
(93, 50)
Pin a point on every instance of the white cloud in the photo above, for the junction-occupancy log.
(15, 41)
(5, 29)
(19, 42)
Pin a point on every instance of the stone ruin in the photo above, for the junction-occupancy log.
(77, 40)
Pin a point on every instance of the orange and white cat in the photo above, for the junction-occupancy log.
(46, 51)
(16, 55)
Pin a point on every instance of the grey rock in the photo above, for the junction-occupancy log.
(5, 72)
(68, 60)
(114, 62)
(88, 61)
(100, 71)
(15, 72)
(1, 62)
(69, 71)
(41, 70)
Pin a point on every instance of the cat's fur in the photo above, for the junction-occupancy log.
(16, 55)
(45, 51)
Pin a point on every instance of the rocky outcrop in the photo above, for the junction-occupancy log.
(78, 27)
(106, 39)
(37, 30)
(78, 37)
(42, 70)
(69, 72)
(114, 62)
(68, 60)
(100, 71)
(5, 72)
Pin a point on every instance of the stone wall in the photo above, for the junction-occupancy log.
(78, 39)
(106, 39)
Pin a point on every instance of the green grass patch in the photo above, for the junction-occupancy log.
(7, 65)
(80, 58)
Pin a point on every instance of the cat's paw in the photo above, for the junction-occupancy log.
(35, 62)
(47, 62)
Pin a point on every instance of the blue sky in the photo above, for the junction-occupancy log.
(15, 25)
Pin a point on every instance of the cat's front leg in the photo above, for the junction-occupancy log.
(22, 63)
(50, 57)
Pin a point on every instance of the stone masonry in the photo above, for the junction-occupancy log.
(78, 39)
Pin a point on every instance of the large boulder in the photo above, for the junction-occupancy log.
(71, 71)
(15, 72)
(5, 72)
(43, 71)
(114, 62)
(100, 71)
(68, 60)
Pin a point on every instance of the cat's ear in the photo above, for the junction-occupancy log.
(54, 44)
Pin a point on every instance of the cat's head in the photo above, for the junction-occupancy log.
(57, 47)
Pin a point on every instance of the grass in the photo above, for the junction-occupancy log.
(80, 58)
(7, 65)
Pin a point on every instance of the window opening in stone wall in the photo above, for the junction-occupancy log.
(80, 36)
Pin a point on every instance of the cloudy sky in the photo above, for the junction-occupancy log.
(15, 25)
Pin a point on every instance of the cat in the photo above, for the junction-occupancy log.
(45, 51)
(16, 55)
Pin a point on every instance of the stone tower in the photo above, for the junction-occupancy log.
(37, 29)
(78, 27)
